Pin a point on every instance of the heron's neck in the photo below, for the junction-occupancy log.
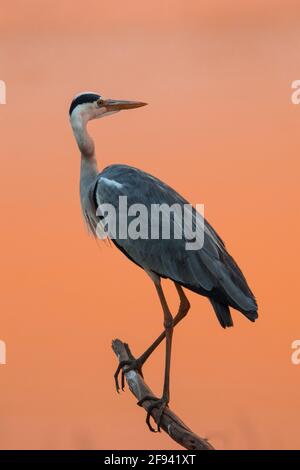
(88, 169)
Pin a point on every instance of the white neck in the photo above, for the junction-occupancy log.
(88, 169)
(84, 141)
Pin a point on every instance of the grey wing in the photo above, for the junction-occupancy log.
(210, 271)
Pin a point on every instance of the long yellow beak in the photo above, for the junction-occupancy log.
(118, 105)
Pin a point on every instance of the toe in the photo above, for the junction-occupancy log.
(147, 398)
(159, 403)
(148, 422)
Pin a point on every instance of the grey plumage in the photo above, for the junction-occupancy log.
(209, 271)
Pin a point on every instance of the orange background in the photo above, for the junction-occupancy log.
(222, 130)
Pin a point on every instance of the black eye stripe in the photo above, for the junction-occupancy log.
(86, 98)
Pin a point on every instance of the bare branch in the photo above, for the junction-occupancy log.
(170, 423)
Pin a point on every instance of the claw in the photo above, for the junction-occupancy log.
(161, 404)
(133, 364)
(148, 422)
(116, 379)
(123, 380)
(116, 375)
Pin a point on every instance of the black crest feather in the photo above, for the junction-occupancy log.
(82, 99)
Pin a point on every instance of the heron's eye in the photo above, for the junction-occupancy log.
(100, 102)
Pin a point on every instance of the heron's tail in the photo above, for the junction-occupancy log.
(252, 315)
(223, 313)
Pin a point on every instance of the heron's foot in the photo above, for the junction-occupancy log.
(161, 404)
(131, 364)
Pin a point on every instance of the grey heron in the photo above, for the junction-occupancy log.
(209, 271)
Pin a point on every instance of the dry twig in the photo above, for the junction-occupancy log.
(170, 423)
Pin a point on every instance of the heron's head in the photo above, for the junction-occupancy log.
(90, 105)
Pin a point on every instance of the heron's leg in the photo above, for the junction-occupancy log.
(138, 363)
(163, 402)
(184, 307)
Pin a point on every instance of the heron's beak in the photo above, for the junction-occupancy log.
(118, 105)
